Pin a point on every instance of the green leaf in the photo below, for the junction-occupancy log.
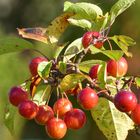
(83, 23)
(119, 7)
(13, 44)
(44, 69)
(42, 94)
(137, 80)
(83, 9)
(9, 118)
(112, 54)
(86, 65)
(102, 75)
(123, 43)
(113, 123)
(74, 48)
(62, 67)
(70, 81)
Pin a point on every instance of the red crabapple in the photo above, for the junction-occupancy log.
(62, 106)
(87, 98)
(56, 128)
(117, 68)
(28, 109)
(75, 119)
(17, 95)
(34, 64)
(44, 114)
(125, 101)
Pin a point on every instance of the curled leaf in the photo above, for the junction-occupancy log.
(34, 33)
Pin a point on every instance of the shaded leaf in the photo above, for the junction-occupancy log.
(113, 123)
(119, 7)
(70, 81)
(112, 54)
(62, 67)
(123, 43)
(13, 44)
(83, 9)
(37, 33)
(86, 65)
(102, 75)
(44, 69)
(137, 80)
(9, 118)
(74, 48)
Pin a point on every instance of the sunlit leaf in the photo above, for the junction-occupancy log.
(42, 94)
(83, 23)
(102, 75)
(13, 44)
(113, 123)
(112, 54)
(70, 81)
(83, 9)
(37, 33)
(44, 69)
(123, 43)
(74, 48)
(57, 27)
(119, 7)
(86, 65)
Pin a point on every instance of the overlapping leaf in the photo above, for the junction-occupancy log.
(113, 123)
(70, 81)
(13, 44)
(112, 54)
(119, 8)
(123, 43)
(74, 48)
(86, 65)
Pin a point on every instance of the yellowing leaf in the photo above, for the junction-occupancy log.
(57, 27)
(113, 123)
(34, 33)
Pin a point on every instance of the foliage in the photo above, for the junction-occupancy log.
(71, 60)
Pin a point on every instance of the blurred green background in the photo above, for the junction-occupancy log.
(14, 66)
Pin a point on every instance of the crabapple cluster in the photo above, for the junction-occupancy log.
(63, 115)
(124, 100)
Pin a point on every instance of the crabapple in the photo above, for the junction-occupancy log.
(125, 101)
(87, 98)
(56, 128)
(34, 64)
(17, 95)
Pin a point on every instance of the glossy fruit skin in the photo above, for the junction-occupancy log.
(34, 64)
(28, 109)
(94, 71)
(56, 128)
(88, 37)
(125, 101)
(87, 98)
(75, 119)
(44, 114)
(62, 106)
(17, 95)
(117, 68)
(135, 114)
